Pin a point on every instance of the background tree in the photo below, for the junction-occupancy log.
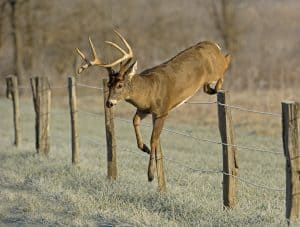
(224, 14)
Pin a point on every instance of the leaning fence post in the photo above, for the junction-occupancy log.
(230, 167)
(160, 169)
(110, 136)
(73, 117)
(290, 137)
(41, 94)
(12, 92)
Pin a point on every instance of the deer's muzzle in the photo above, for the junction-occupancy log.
(111, 102)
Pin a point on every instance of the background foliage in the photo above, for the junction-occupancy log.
(262, 36)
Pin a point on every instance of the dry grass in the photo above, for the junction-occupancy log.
(49, 191)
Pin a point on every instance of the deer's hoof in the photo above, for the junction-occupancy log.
(150, 171)
(146, 149)
(150, 177)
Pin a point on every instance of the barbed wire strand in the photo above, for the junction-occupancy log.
(181, 133)
(200, 103)
(254, 184)
(192, 168)
(237, 108)
(59, 87)
(26, 87)
(97, 115)
(188, 102)
(176, 162)
(91, 140)
(88, 86)
(203, 171)
(249, 110)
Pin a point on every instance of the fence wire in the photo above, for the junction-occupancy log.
(200, 103)
(236, 107)
(212, 171)
(92, 141)
(254, 184)
(240, 108)
(182, 133)
(59, 87)
(97, 115)
(89, 86)
(250, 111)
(126, 149)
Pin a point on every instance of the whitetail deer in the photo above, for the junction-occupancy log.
(162, 88)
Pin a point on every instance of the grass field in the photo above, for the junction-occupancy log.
(35, 190)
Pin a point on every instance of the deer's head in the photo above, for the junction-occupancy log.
(119, 81)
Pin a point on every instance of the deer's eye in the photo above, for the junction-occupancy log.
(119, 86)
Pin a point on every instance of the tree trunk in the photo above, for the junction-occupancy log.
(18, 69)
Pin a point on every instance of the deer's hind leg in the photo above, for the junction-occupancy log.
(219, 85)
(207, 89)
(158, 123)
(136, 124)
(211, 91)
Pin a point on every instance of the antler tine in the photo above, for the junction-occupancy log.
(126, 55)
(124, 41)
(83, 67)
(97, 62)
(82, 55)
(93, 48)
(116, 46)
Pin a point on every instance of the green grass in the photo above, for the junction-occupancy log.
(35, 190)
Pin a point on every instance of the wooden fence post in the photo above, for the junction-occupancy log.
(290, 137)
(12, 92)
(160, 169)
(73, 117)
(230, 167)
(110, 136)
(41, 94)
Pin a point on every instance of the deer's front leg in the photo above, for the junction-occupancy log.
(158, 123)
(136, 124)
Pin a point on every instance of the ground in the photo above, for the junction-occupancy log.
(36, 190)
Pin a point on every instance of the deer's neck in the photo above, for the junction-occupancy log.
(140, 92)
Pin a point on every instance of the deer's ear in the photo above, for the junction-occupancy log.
(132, 70)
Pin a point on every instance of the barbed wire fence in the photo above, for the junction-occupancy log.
(185, 134)
(179, 132)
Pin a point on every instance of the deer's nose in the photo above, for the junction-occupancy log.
(111, 102)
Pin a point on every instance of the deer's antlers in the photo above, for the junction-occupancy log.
(97, 61)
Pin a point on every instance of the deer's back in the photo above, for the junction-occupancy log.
(180, 77)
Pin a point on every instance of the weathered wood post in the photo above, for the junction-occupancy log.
(110, 136)
(160, 169)
(41, 94)
(290, 137)
(73, 117)
(12, 92)
(230, 167)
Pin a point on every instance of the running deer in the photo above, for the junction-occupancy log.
(160, 89)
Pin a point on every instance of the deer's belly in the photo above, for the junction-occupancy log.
(179, 104)
(184, 100)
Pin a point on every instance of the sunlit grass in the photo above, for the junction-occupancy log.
(50, 191)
